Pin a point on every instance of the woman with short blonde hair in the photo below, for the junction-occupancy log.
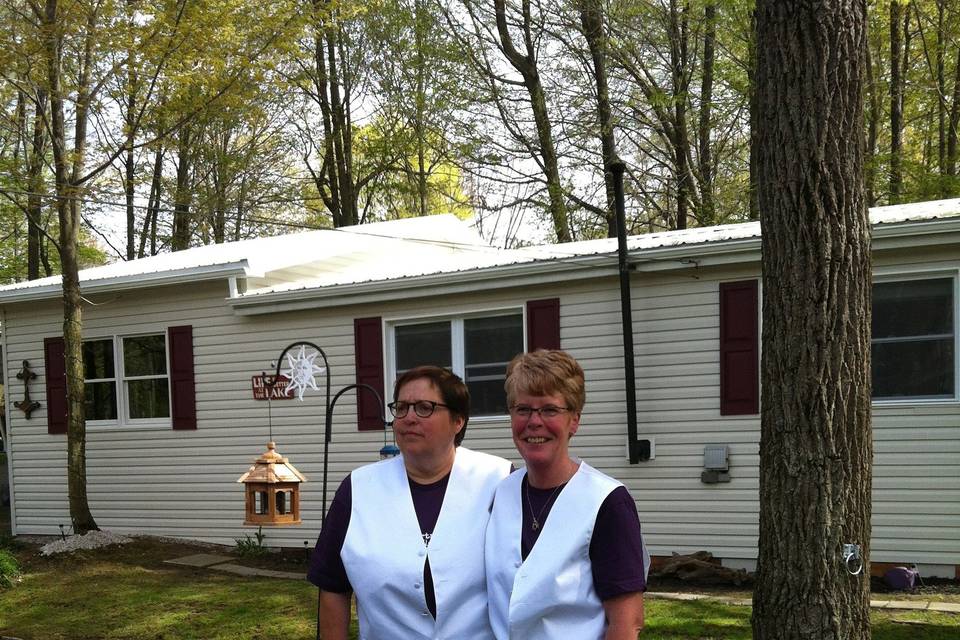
(564, 554)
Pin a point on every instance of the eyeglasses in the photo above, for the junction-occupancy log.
(423, 408)
(548, 412)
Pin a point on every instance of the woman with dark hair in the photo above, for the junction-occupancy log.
(564, 554)
(405, 535)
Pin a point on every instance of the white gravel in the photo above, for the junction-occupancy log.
(91, 540)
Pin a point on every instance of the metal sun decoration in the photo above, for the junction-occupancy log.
(272, 483)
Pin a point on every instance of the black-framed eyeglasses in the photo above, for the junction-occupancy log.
(423, 408)
(548, 412)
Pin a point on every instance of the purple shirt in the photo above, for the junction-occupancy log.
(616, 548)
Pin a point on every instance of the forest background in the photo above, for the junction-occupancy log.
(166, 124)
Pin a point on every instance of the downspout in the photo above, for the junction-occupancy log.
(636, 453)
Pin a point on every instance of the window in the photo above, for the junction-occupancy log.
(126, 378)
(913, 342)
(477, 348)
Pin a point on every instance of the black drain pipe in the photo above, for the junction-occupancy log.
(633, 445)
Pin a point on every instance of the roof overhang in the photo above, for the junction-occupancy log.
(717, 253)
(130, 282)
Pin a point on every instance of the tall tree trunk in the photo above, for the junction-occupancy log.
(873, 127)
(153, 207)
(896, 101)
(341, 134)
(941, 100)
(130, 117)
(952, 134)
(420, 98)
(526, 65)
(754, 121)
(681, 141)
(708, 215)
(68, 212)
(129, 175)
(241, 209)
(183, 198)
(328, 176)
(816, 442)
(591, 21)
(35, 166)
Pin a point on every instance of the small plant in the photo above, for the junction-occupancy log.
(9, 569)
(248, 547)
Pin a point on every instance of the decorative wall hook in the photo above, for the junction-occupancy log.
(26, 405)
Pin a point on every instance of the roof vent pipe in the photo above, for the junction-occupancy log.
(633, 446)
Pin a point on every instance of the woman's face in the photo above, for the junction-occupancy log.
(543, 442)
(430, 436)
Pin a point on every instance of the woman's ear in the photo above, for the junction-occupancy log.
(574, 423)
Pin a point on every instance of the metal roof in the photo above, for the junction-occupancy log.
(421, 249)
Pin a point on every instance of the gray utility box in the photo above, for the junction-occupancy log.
(716, 465)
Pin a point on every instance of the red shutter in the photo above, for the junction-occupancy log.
(739, 349)
(183, 403)
(55, 365)
(543, 324)
(368, 351)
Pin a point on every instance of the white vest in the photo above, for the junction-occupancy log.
(384, 552)
(549, 595)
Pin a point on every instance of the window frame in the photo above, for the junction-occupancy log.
(457, 350)
(881, 276)
(120, 379)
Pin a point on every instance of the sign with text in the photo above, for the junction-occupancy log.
(279, 391)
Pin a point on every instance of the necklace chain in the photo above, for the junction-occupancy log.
(535, 525)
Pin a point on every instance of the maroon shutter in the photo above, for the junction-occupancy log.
(183, 401)
(543, 324)
(739, 349)
(368, 351)
(55, 365)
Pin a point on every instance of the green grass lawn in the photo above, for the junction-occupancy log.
(128, 592)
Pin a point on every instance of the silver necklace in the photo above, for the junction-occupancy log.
(535, 525)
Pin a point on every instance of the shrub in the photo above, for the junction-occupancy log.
(248, 547)
(9, 569)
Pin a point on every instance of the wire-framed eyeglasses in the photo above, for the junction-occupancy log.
(548, 412)
(423, 408)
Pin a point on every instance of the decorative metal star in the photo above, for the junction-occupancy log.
(302, 371)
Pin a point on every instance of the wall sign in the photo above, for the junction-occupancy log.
(279, 391)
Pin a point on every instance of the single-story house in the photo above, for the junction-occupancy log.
(172, 343)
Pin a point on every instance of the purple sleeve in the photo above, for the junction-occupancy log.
(326, 567)
(616, 549)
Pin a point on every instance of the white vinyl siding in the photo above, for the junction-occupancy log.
(183, 484)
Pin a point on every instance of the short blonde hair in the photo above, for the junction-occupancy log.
(546, 372)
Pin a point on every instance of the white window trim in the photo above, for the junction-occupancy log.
(123, 420)
(458, 364)
(926, 273)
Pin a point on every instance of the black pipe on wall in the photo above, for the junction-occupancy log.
(635, 451)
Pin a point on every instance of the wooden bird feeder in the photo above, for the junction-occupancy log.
(273, 490)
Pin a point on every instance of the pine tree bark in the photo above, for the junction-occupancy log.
(816, 443)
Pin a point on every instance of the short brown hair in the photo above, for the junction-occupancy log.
(546, 372)
(452, 390)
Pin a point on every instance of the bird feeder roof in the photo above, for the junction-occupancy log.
(272, 468)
